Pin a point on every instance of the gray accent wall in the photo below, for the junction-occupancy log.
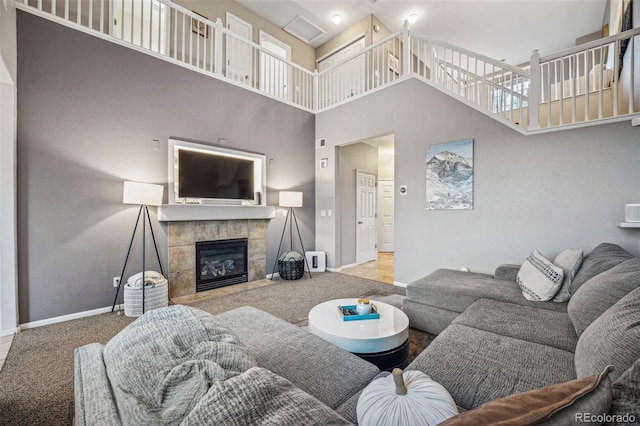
(88, 112)
(550, 191)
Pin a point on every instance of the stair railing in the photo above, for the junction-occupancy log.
(585, 85)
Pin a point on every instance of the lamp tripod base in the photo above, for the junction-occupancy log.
(291, 214)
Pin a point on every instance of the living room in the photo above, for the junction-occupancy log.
(89, 113)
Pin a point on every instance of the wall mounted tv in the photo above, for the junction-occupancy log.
(204, 174)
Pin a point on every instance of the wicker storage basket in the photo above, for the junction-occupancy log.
(291, 265)
(154, 297)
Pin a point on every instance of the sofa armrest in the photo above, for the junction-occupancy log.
(94, 403)
(507, 272)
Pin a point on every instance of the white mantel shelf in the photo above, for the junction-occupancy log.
(190, 212)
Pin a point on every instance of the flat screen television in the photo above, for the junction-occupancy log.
(209, 174)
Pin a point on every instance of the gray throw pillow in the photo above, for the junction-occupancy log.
(538, 278)
(164, 362)
(602, 292)
(612, 339)
(570, 261)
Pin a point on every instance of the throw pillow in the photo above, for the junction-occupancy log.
(570, 261)
(164, 362)
(538, 278)
(551, 405)
(260, 397)
(404, 398)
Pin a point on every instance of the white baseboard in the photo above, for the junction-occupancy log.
(334, 269)
(399, 284)
(272, 276)
(68, 317)
(351, 265)
(9, 331)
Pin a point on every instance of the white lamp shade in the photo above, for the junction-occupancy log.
(290, 199)
(142, 193)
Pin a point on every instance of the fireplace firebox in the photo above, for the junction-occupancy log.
(221, 263)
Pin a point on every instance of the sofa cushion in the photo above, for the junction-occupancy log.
(603, 291)
(259, 396)
(570, 261)
(625, 395)
(521, 322)
(286, 350)
(558, 404)
(612, 339)
(456, 291)
(604, 256)
(477, 366)
(160, 365)
(538, 278)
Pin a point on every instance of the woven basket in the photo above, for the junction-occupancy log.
(291, 265)
(154, 297)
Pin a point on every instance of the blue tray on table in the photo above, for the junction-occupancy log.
(348, 313)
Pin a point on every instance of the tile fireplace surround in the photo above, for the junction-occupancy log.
(183, 235)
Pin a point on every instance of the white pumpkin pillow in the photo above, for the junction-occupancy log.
(424, 401)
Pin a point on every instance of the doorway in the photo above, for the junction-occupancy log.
(143, 23)
(239, 62)
(274, 73)
(350, 75)
(367, 249)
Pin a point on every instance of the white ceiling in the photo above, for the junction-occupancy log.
(501, 29)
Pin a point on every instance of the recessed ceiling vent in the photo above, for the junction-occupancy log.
(304, 29)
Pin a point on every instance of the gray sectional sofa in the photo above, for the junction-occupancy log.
(492, 343)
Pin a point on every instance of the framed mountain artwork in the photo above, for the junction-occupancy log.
(450, 176)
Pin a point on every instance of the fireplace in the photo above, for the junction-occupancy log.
(221, 263)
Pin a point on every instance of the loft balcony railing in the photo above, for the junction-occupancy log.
(589, 84)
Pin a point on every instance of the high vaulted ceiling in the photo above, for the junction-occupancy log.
(501, 29)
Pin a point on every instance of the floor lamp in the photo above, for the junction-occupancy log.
(142, 194)
(290, 199)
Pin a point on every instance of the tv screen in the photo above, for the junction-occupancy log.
(209, 175)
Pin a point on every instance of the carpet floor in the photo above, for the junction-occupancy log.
(36, 382)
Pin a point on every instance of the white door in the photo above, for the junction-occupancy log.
(238, 51)
(366, 241)
(385, 215)
(345, 81)
(274, 73)
(144, 23)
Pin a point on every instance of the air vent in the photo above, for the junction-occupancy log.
(304, 29)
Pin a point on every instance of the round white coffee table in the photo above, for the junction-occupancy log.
(383, 341)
